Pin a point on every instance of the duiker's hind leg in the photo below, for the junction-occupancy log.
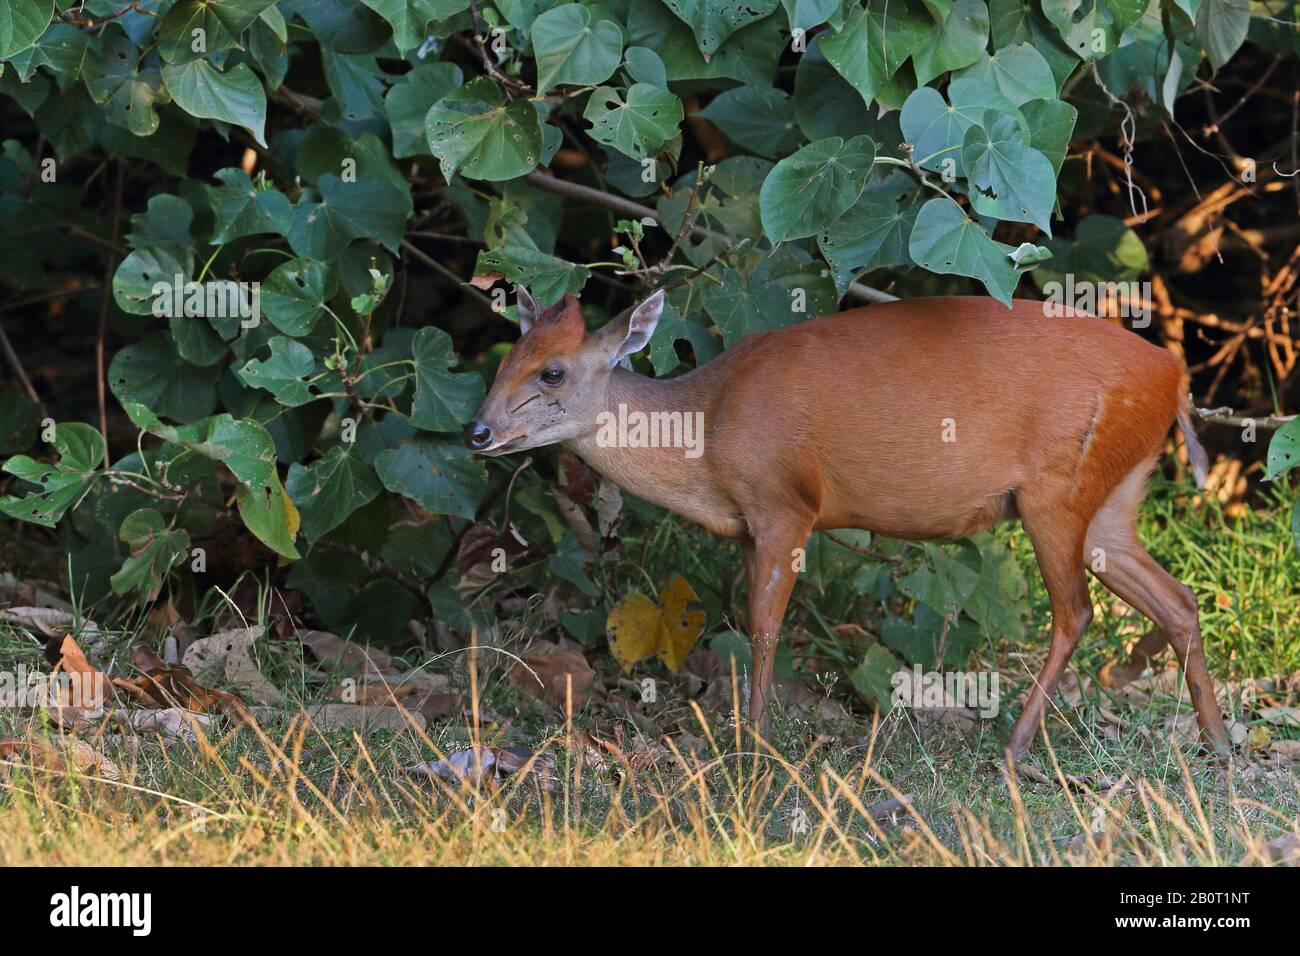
(1057, 535)
(1123, 565)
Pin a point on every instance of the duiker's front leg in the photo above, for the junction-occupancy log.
(770, 561)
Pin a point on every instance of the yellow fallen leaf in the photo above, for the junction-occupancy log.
(639, 628)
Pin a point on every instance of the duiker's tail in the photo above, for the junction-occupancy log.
(1195, 451)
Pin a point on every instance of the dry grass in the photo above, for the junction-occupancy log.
(299, 796)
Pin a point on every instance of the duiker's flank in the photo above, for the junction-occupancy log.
(925, 418)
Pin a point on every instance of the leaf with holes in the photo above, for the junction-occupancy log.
(712, 21)
(81, 451)
(946, 241)
(293, 296)
(1283, 450)
(637, 126)
(1009, 179)
(116, 81)
(475, 132)
(286, 374)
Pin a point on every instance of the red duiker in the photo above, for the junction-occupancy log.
(924, 419)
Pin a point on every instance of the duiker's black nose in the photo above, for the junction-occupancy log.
(477, 435)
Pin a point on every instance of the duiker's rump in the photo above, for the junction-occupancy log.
(924, 418)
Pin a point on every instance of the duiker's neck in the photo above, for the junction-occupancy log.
(649, 433)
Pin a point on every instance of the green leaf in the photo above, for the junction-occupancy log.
(235, 96)
(759, 120)
(638, 126)
(343, 26)
(806, 14)
(570, 48)
(1221, 27)
(439, 476)
(1284, 448)
(547, 276)
(946, 241)
(712, 21)
(1018, 71)
(873, 678)
(154, 550)
(872, 234)
(444, 400)
(1086, 26)
(62, 49)
(166, 220)
(1018, 21)
(742, 305)
(873, 45)
(1052, 122)
(409, 101)
(364, 209)
(136, 283)
(804, 192)
(115, 80)
(1009, 178)
(410, 18)
(645, 66)
(81, 451)
(474, 131)
(826, 104)
(152, 373)
(242, 209)
(750, 55)
(21, 23)
(357, 85)
(220, 25)
(293, 296)
(246, 448)
(286, 374)
(959, 42)
(330, 489)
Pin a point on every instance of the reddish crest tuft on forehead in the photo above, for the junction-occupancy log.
(558, 328)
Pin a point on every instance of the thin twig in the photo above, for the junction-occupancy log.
(20, 373)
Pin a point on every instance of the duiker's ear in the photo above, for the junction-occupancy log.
(640, 326)
(527, 307)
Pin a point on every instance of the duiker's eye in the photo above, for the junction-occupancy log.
(553, 376)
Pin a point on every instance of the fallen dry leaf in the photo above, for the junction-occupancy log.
(639, 627)
(48, 621)
(549, 676)
(86, 687)
(233, 652)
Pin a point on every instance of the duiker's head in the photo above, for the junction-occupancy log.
(551, 386)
